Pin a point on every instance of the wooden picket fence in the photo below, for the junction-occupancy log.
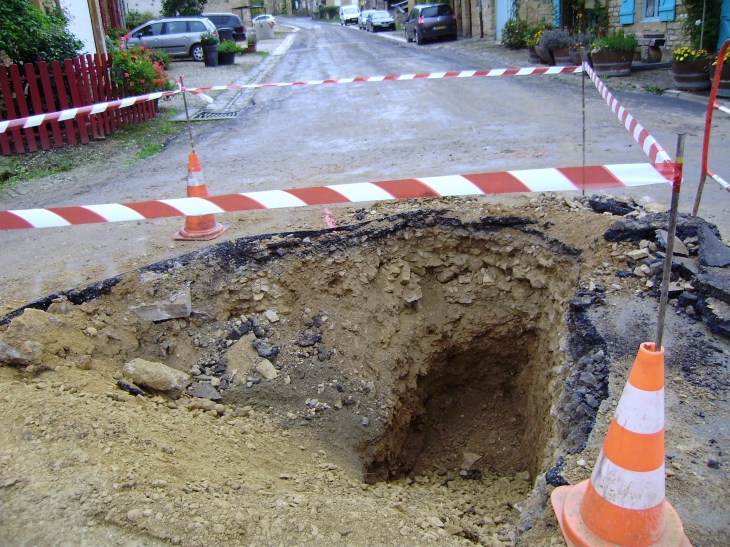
(44, 88)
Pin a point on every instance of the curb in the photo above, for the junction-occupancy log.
(685, 96)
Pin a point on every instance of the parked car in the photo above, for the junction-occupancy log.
(427, 21)
(178, 36)
(264, 18)
(362, 18)
(229, 20)
(349, 14)
(379, 20)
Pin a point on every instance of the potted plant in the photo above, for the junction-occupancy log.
(227, 51)
(614, 53)
(210, 43)
(723, 89)
(251, 40)
(557, 43)
(691, 69)
(533, 39)
(579, 43)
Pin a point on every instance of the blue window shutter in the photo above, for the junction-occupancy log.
(626, 15)
(666, 10)
(556, 13)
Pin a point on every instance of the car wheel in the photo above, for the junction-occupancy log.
(392, 27)
(408, 37)
(419, 40)
(196, 52)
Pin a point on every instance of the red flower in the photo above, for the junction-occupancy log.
(126, 74)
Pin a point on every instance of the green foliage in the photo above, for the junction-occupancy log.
(555, 39)
(617, 41)
(182, 7)
(209, 39)
(27, 34)
(135, 18)
(140, 70)
(329, 12)
(515, 33)
(229, 46)
(692, 24)
(581, 40)
(596, 18)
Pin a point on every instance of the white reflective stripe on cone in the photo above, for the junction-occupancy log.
(628, 489)
(195, 178)
(641, 411)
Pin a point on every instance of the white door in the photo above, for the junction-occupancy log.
(503, 9)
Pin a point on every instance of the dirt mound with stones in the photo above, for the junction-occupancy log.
(426, 374)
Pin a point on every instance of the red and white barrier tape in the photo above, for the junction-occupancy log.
(405, 77)
(71, 113)
(533, 180)
(721, 108)
(648, 143)
(719, 180)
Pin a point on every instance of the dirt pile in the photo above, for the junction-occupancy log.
(418, 375)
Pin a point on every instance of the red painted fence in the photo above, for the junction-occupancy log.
(46, 88)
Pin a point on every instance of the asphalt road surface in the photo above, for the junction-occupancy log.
(333, 134)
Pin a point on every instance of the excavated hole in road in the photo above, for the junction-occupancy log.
(416, 342)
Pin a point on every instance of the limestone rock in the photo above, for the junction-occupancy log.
(679, 247)
(157, 376)
(171, 306)
(266, 369)
(27, 353)
(242, 355)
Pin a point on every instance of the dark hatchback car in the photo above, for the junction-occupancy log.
(427, 21)
(228, 20)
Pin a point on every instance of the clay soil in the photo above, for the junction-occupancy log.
(426, 361)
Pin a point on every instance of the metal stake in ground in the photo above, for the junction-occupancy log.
(187, 116)
(583, 86)
(671, 229)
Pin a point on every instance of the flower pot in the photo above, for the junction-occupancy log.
(544, 55)
(724, 88)
(251, 47)
(575, 56)
(691, 75)
(532, 56)
(612, 63)
(210, 55)
(226, 58)
(562, 57)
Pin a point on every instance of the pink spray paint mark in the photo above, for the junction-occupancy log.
(328, 219)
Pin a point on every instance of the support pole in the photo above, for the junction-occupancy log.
(187, 116)
(583, 89)
(671, 229)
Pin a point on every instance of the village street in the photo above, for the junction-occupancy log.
(332, 134)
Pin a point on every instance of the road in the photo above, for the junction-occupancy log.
(310, 136)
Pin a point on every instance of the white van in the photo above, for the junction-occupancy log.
(349, 14)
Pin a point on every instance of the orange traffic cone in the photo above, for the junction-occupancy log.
(204, 227)
(623, 503)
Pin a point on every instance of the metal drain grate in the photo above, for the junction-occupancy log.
(216, 115)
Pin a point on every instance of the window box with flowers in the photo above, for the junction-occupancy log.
(691, 69)
(140, 70)
(723, 89)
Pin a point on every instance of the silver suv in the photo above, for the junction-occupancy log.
(178, 36)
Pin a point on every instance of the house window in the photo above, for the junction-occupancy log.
(651, 9)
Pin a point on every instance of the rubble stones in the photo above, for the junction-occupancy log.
(172, 306)
(679, 247)
(204, 390)
(265, 348)
(716, 314)
(27, 353)
(714, 282)
(713, 252)
(307, 337)
(157, 376)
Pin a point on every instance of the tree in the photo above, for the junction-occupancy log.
(27, 34)
(182, 7)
